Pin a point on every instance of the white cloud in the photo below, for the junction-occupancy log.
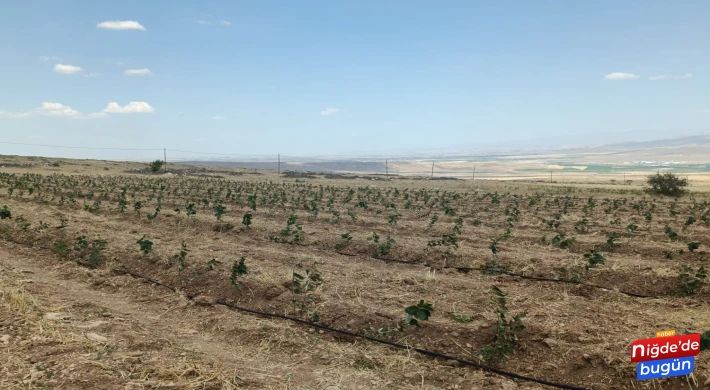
(53, 109)
(203, 22)
(330, 111)
(14, 115)
(61, 110)
(137, 72)
(671, 77)
(67, 69)
(92, 75)
(218, 118)
(132, 107)
(56, 109)
(621, 76)
(49, 58)
(121, 25)
(93, 115)
(226, 23)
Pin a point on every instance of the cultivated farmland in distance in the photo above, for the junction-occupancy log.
(592, 267)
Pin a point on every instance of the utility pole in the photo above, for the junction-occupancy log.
(474, 172)
(279, 168)
(550, 176)
(387, 172)
(624, 178)
(432, 169)
(165, 157)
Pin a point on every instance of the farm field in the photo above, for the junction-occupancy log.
(581, 272)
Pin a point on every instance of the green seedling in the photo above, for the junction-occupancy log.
(506, 330)
(239, 269)
(420, 311)
(146, 246)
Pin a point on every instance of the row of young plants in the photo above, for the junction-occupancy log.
(293, 233)
(315, 199)
(306, 279)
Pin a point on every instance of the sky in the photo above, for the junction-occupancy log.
(348, 76)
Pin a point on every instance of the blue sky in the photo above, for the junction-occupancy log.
(323, 77)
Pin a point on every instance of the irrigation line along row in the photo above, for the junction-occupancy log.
(351, 334)
(498, 271)
(461, 269)
(343, 332)
(373, 339)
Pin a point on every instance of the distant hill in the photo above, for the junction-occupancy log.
(692, 150)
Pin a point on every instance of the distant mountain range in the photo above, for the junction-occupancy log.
(697, 146)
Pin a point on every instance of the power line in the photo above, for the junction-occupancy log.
(217, 154)
(74, 147)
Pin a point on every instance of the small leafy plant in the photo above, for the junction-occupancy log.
(594, 258)
(5, 213)
(420, 311)
(690, 280)
(180, 257)
(145, 246)
(671, 234)
(380, 249)
(693, 245)
(562, 241)
(219, 211)
(239, 269)
(494, 246)
(303, 284)
(506, 330)
(246, 220)
(462, 318)
(296, 233)
(346, 239)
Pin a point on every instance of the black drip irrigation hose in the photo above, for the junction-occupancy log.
(504, 272)
(373, 339)
(462, 269)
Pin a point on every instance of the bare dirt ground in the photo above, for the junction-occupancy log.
(67, 326)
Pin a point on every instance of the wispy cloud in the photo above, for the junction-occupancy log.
(121, 25)
(53, 109)
(49, 58)
(67, 69)
(92, 75)
(620, 76)
(137, 72)
(671, 77)
(218, 118)
(14, 115)
(330, 111)
(209, 20)
(130, 108)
